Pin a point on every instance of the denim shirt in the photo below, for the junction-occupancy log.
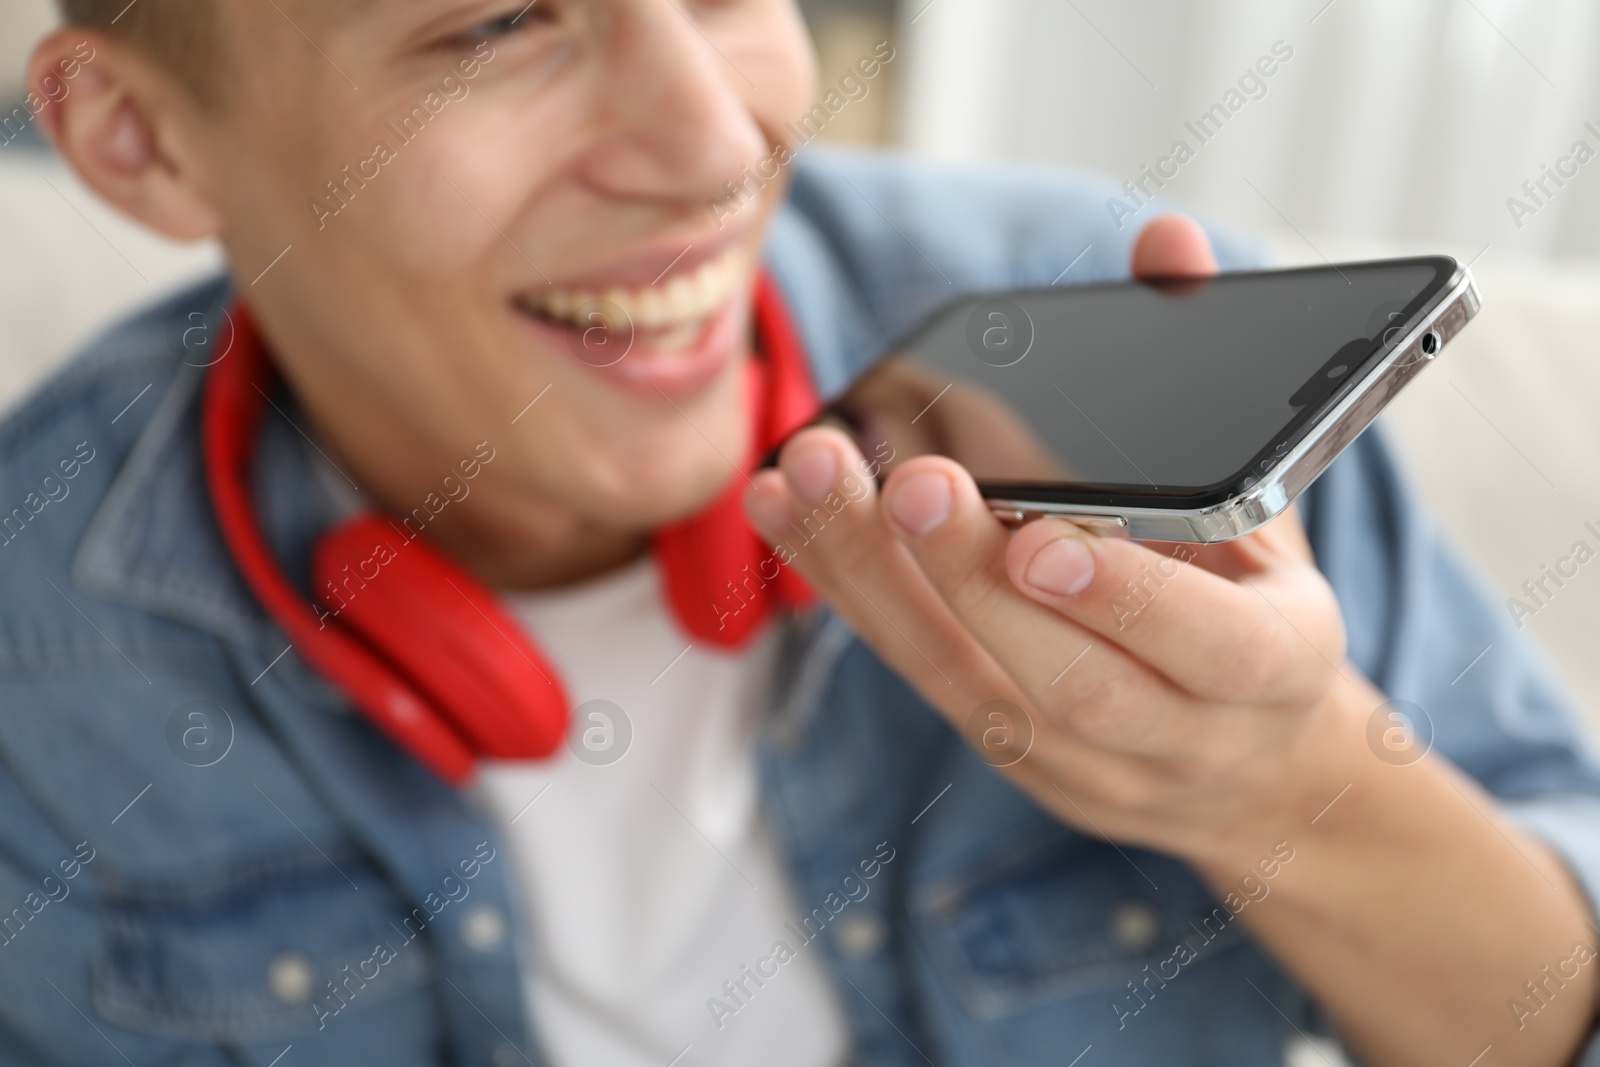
(287, 887)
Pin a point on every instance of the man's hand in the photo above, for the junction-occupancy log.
(1155, 694)
(1197, 700)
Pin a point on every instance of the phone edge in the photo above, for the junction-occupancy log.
(1459, 301)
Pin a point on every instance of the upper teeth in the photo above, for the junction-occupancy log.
(684, 298)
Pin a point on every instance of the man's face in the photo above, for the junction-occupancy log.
(494, 169)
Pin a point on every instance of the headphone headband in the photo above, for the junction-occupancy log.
(425, 651)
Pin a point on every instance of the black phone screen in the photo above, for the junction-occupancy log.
(1134, 389)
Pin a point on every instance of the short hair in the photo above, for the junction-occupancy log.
(180, 35)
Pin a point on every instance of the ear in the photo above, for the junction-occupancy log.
(127, 127)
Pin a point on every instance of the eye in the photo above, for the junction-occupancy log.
(505, 25)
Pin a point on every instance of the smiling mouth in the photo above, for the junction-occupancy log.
(667, 315)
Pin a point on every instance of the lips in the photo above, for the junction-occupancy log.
(672, 337)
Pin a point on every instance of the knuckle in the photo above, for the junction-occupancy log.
(1092, 709)
(824, 537)
(1137, 603)
(971, 588)
(1261, 661)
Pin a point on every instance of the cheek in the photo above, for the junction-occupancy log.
(777, 43)
(360, 204)
(419, 213)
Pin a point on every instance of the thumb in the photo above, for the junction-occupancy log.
(1173, 246)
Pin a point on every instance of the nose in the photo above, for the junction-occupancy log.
(676, 123)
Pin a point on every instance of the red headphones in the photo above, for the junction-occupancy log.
(424, 650)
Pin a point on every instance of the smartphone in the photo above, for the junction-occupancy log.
(1163, 409)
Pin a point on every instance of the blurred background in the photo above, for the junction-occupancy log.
(1389, 129)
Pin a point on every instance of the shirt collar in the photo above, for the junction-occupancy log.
(154, 540)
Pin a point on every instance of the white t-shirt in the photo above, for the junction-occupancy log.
(650, 881)
(650, 878)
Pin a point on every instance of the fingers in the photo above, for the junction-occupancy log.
(1091, 686)
(1214, 639)
(825, 513)
(1257, 639)
(822, 507)
(1173, 246)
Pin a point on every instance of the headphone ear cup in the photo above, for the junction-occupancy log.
(438, 628)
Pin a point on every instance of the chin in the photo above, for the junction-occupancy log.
(656, 478)
(671, 496)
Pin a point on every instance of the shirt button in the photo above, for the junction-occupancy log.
(860, 935)
(1134, 926)
(483, 928)
(290, 977)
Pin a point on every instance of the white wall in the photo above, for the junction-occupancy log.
(21, 23)
(1411, 121)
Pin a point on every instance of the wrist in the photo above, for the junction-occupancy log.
(1297, 786)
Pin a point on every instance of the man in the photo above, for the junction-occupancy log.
(796, 859)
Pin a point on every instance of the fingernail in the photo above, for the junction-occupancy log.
(1064, 567)
(813, 472)
(921, 503)
(767, 512)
